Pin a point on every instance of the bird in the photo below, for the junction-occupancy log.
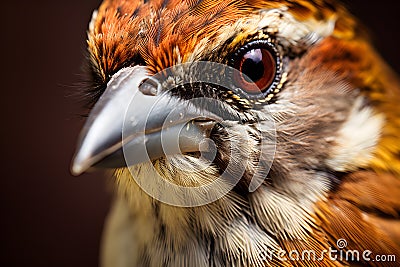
(242, 133)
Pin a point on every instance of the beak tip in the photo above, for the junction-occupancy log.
(77, 167)
(76, 170)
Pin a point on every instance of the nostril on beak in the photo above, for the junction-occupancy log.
(149, 86)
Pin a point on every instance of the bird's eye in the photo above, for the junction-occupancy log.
(258, 64)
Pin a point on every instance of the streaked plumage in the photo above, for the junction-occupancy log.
(336, 171)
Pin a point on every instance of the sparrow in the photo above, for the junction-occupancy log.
(242, 133)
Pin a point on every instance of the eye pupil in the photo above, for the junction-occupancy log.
(253, 66)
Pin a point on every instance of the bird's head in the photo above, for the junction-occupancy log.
(289, 91)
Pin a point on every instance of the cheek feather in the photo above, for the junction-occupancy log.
(357, 140)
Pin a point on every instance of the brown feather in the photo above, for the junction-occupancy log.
(362, 212)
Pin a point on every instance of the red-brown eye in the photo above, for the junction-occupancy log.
(257, 64)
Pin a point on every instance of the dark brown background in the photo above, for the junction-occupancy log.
(48, 217)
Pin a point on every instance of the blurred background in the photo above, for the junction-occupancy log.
(47, 216)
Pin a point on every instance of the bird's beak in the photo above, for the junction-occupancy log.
(135, 118)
